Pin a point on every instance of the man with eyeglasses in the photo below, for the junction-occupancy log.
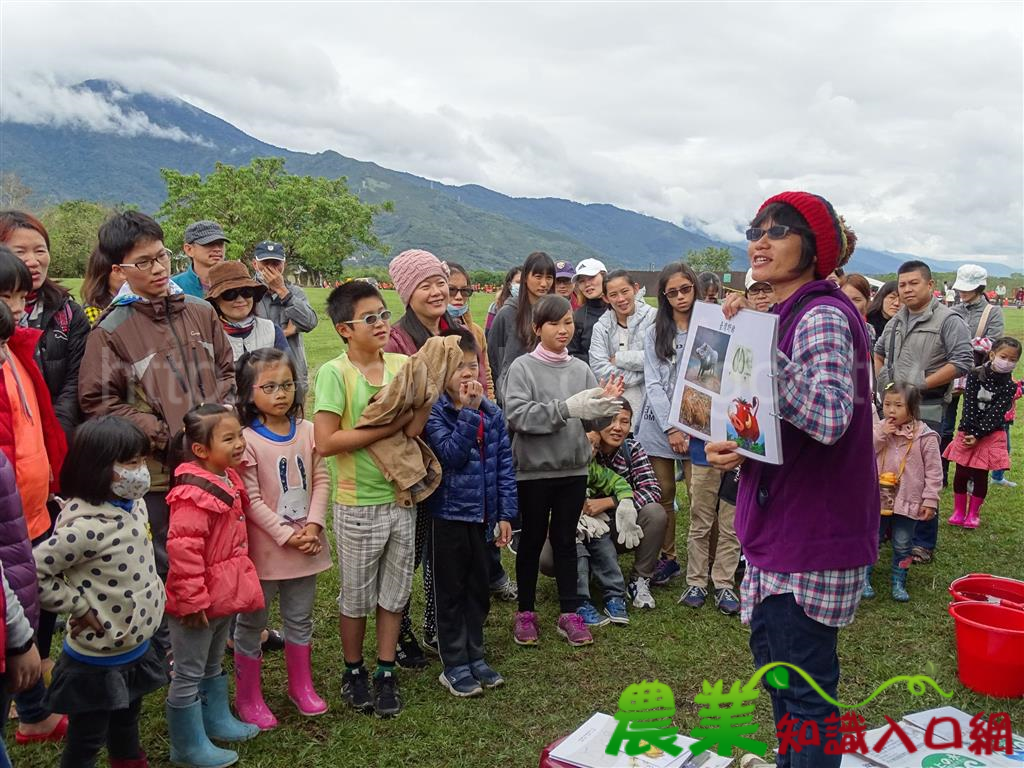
(205, 244)
(156, 354)
(284, 303)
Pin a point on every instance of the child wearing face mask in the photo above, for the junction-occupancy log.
(98, 566)
(980, 443)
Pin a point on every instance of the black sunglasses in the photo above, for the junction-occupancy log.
(233, 293)
(774, 232)
(467, 291)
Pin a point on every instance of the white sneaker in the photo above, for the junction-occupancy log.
(1005, 483)
(641, 591)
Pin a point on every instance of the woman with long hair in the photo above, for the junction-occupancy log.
(509, 288)
(100, 285)
(883, 306)
(511, 335)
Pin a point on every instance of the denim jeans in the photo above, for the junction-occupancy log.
(902, 529)
(999, 474)
(926, 532)
(599, 559)
(781, 631)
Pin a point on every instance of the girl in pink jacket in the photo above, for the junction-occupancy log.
(289, 489)
(209, 578)
(909, 478)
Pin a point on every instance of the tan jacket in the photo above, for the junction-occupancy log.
(407, 462)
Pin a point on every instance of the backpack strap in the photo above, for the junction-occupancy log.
(209, 486)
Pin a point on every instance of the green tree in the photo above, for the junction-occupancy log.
(14, 194)
(72, 227)
(319, 221)
(710, 259)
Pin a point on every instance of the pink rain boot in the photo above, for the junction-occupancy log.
(973, 513)
(300, 680)
(249, 693)
(959, 509)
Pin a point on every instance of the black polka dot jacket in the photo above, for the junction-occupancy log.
(100, 558)
(988, 397)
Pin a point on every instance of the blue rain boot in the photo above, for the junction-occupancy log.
(899, 585)
(220, 723)
(190, 745)
(869, 591)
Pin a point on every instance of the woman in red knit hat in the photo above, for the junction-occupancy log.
(807, 544)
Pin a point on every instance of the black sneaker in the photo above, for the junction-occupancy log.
(409, 654)
(430, 643)
(386, 701)
(355, 690)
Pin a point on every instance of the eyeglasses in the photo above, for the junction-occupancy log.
(275, 387)
(774, 232)
(467, 291)
(370, 319)
(233, 293)
(685, 290)
(764, 288)
(147, 264)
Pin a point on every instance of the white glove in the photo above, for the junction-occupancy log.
(593, 527)
(590, 404)
(625, 523)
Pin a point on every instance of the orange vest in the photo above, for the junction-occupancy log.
(31, 464)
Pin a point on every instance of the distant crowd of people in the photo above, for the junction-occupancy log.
(160, 484)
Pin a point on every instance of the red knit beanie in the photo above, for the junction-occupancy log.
(829, 239)
(410, 268)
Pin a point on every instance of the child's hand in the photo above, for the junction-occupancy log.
(678, 441)
(23, 670)
(195, 620)
(970, 440)
(594, 507)
(311, 536)
(504, 534)
(927, 513)
(613, 386)
(470, 394)
(419, 421)
(888, 427)
(89, 620)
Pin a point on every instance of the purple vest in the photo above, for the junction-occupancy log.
(819, 509)
(15, 547)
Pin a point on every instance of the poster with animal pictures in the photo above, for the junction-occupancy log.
(726, 383)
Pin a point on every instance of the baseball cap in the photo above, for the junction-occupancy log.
(970, 277)
(205, 232)
(564, 269)
(590, 267)
(268, 249)
(749, 281)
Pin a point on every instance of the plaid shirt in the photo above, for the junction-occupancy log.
(816, 383)
(816, 392)
(631, 463)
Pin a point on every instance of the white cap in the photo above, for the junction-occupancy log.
(589, 268)
(749, 280)
(970, 277)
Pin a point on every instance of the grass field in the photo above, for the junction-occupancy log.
(552, 688)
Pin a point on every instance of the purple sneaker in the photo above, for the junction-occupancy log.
(572, 627)
(665, 571)
(525, 629)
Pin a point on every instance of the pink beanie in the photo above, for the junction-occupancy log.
(410, 268)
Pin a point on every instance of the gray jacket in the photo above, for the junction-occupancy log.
(545, 441)
(503, 346)
(604, 343)
(296, 309)
(971, 313)
(915, 346)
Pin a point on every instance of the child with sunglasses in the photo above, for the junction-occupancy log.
(234, 295)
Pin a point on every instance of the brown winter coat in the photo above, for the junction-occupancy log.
(152, 362)
(407, 462)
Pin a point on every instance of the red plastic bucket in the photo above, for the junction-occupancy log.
(986, 588)
(990, 648)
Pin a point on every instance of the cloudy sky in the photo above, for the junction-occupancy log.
(907, 116)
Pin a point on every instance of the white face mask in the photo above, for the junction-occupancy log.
(130, 482)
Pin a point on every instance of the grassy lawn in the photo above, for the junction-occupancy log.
(551, 689)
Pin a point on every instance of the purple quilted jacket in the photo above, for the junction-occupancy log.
(15, 547)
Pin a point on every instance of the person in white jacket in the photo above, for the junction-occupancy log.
(617, 342)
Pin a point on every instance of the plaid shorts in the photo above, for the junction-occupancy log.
(375, 557)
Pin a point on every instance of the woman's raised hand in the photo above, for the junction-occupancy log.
(733, 303)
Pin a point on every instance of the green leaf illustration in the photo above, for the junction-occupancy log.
(778, 678)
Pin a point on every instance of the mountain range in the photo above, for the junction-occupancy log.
(470, 223)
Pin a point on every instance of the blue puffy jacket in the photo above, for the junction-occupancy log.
(478, 481)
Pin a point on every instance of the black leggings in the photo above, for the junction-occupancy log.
(964, 474)
(89, 731)
(549, 508)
